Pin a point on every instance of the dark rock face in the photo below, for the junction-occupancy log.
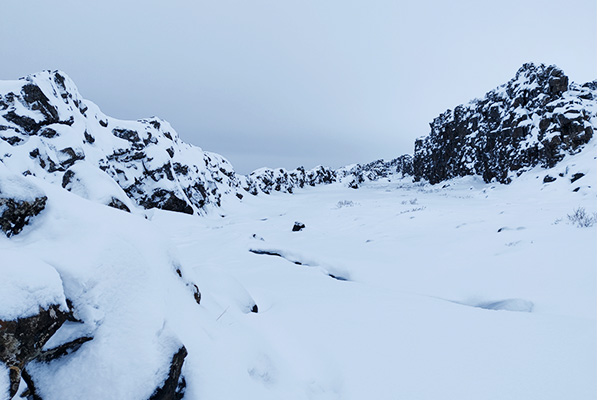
(298, 226)
(22, 340)
(534, 119)
(15, 214)
(174, 386)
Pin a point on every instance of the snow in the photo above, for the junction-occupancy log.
(459, 290)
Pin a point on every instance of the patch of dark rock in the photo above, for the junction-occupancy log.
(127, 134)
(576, 189)
(15, 214)
(118, 204)
(12, 140)
(21, 340)
(197, 294)
(28, 124)
(339, 278)
(103, 122)
(576, 176)
(174, 386)
(67, 178)
(548, 179)
(254, 309)
(63, 349)
(89, 138)
(298, 226)
(170, 151)
(265, 252)
(33, 95)
(72, 156)
(239, 196)
(166, 200)
(47, 133)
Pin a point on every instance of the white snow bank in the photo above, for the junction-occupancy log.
(26, 285)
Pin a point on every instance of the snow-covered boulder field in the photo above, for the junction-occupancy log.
(134, 266)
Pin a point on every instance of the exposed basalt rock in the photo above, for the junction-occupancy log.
(22, 340)
(15, 214)
(577, 176)
(174, 386)
(534, 119)
(118, 204)
(298, 226)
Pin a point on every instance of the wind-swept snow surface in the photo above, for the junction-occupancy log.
(461, 290)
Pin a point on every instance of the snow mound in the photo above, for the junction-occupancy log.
(27, 285)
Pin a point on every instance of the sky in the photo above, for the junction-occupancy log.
(274, 83)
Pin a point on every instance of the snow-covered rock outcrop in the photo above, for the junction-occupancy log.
(534, 119)
(47, 129)
(268, 180)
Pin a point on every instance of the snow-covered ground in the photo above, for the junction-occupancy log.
(469, 291)
(396, 290)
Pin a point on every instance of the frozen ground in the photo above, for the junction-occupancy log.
(469, 291)
(397, 290)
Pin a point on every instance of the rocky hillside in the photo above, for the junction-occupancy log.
(47, 129)
(535, 119)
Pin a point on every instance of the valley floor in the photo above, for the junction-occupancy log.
(462, 290)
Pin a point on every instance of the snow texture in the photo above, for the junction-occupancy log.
(462, 289)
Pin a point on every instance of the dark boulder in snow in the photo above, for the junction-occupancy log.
(298, 226)
(19, 202)
(15, 214)
(174, 386)
(21, 340)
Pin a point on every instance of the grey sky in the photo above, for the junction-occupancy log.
(300, 82)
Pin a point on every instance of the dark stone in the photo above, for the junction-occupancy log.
(576, 189)
(28, 124)
(89, 138)
(63, 349)
(103, 123)
(48, 133)
(197, 294)
(576, 176)
(72, 157)
(22, 340)
(67, 178)
(548, 179)
(118, 204)
(254, 309)
(38, 101)
(298, 226)
(239, 196)
(170, 151)
(16, 214)
(12, 140)
(174, 386)
(127, 134)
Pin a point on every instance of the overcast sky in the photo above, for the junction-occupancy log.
(283, 83)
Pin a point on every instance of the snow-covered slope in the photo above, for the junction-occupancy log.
(47, 129)
(395, 290)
